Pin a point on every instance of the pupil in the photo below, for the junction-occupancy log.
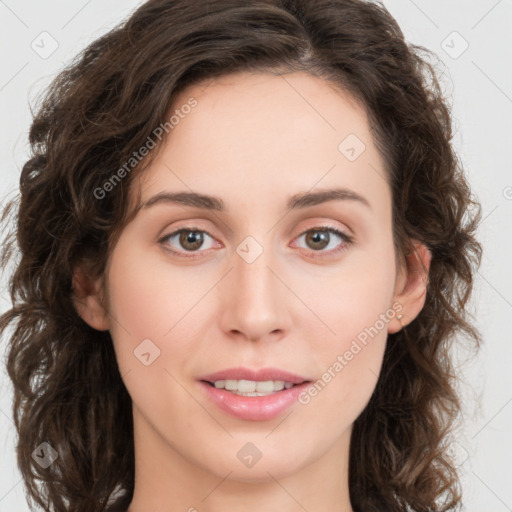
(321, 237)
(191, 237)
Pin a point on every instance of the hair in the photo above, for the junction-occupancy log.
(102, 108)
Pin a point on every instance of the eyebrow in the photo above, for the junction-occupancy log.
(297, 201)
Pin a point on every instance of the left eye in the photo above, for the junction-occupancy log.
(192, 239)
(321, 238)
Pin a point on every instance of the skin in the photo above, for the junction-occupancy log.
(253, 140)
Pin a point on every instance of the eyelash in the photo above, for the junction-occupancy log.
(347, 239)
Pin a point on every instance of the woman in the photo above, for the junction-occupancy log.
(246, 245)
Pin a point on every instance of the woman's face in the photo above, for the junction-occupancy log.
(256, 284)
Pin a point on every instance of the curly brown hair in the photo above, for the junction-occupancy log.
(101, 108)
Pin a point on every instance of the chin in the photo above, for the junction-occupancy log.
(263, 466)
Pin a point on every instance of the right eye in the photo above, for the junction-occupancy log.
(190, 239)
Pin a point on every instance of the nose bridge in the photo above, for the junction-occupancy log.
(253, 301)
(252, 272)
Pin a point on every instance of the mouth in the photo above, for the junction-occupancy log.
(253, 394)
(243, 387)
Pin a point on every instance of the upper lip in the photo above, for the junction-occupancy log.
(263, 374)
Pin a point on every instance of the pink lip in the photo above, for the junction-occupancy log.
(242, 373)
(254, 408)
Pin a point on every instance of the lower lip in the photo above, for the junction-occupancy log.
(254, 408)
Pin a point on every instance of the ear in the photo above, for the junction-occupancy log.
(88, 300)
(411, 286)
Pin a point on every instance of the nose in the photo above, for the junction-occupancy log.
(254, 299)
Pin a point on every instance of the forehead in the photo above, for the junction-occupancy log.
(264, 134)
(296, 106)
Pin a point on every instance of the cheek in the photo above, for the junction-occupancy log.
(148, 306)
(355, 308)
(352, 303)
(148, 295)
(153, 307)
(349, 364)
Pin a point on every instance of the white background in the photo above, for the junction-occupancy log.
(479, 83)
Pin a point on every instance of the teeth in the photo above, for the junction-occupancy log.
(251, 387)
